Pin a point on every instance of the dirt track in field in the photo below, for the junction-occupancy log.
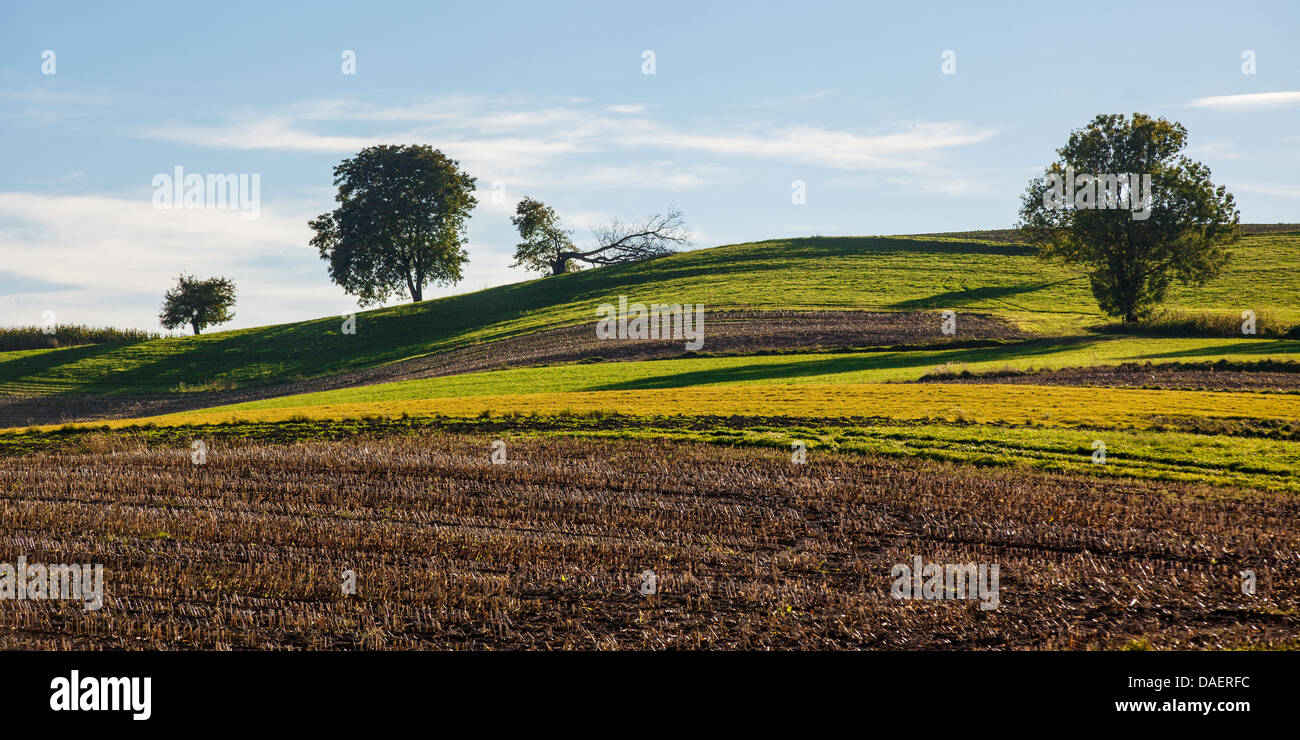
(1178, 376)
(726, 332)
(548, 550)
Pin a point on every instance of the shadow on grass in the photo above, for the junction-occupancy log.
(972, 295)
(15, 369)
(1244, 347)
(852, 363)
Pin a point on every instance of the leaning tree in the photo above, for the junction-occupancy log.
(547, 247)
(1123, 202)
(400, 223)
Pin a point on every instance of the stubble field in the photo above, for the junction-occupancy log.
(547, 549)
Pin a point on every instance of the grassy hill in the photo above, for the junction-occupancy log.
(870, 273)
(783, 370)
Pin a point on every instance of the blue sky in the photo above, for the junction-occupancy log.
(551, 100)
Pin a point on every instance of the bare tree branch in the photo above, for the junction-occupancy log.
(547, 246)
(630, 241)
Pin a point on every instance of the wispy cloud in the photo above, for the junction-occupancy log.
(266, 133)
(1248, 101)
(514, 147)
(36, 106)
(489, 136)
(845, 150)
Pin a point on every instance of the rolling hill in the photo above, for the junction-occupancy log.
(999, 280)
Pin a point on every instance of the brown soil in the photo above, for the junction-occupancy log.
(547, 550)
(1174, 376)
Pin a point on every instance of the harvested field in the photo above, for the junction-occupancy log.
(545, 550)
(728, 332)
(1271, 377)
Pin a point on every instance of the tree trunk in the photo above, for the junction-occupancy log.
(559, 266)
(195, 325)
(1130, 304)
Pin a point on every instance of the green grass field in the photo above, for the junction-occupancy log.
(1050, 409)
(792, 369)
(1225, 438)
(870, 273)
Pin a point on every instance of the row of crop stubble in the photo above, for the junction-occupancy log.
(545, 550)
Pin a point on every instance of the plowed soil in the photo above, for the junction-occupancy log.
(549, 549)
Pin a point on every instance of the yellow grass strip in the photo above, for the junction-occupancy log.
(1017, 404)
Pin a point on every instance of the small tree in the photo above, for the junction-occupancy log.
(547, 247)
(399, 225)
(1140, 215)
(198, 303)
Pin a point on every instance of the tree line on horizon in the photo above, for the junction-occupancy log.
(400, 224)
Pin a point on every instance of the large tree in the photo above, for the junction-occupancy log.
(546, 246)
(399, 225)
(198, 303)
(1123, 202)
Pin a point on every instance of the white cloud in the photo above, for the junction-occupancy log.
(493, 146)
(1249, 101)
(107, 261)
(268, 133)
(93, 232)
(488, 136)
(102, 250)
(825, 147)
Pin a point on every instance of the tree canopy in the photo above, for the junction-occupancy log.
(198, 304)
(399, 225)
(1122, 201)
(546, 246)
